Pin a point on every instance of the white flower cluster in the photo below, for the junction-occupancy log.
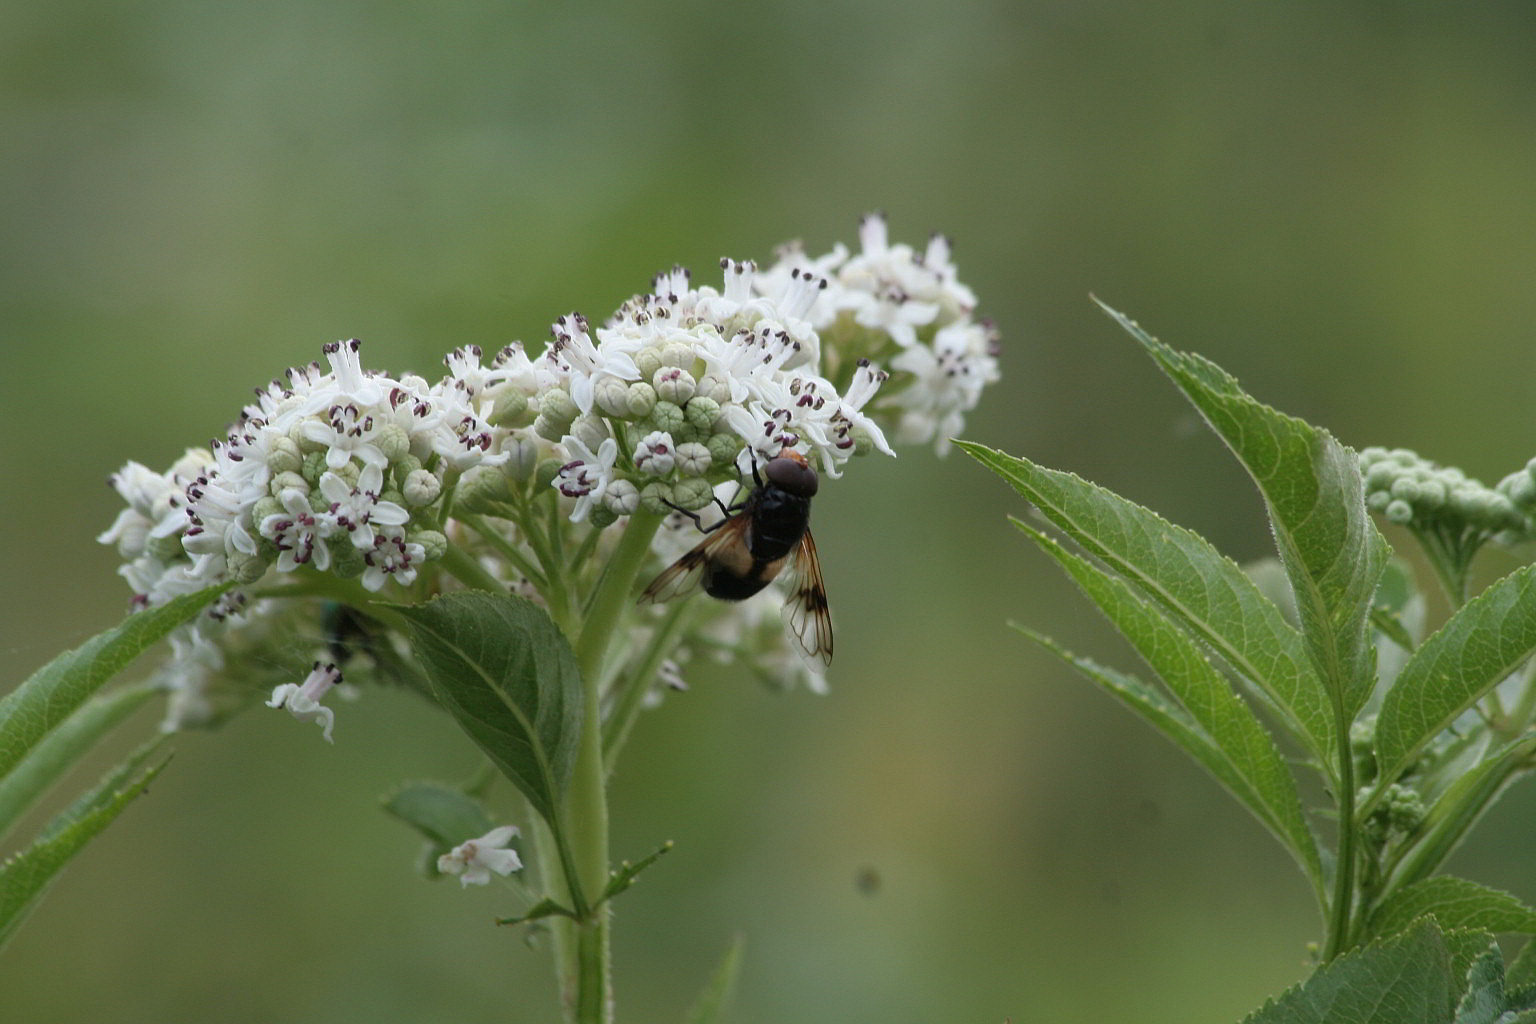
(362, 475)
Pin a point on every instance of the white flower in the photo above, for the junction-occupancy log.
(949, 380)
(586, 363)
(587, 475)
(358, 509)
(392, 557)
(302, 700)
(475, 859)
(298, 532)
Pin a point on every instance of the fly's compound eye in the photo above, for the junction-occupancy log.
(792, 475)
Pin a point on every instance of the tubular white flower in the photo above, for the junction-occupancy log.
(475, 859)
(587, 475)
(302, 700)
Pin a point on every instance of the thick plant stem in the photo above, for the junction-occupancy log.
(1341, 912)
(585, 967)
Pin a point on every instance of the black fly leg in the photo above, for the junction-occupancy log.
(726, 512)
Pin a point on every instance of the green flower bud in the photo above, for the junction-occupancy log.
(548, 429)
(702, 412)
(666, 417)
(640, 400)
(481, 489)
(1377, 501)
(692, 493)
(601, 517)
(723, 448)
(1405, 489)
(654, 497)
(314, 466)
(421, 488)
(612, 397)
(1399, 511)
(678, 354)
(244, 568)
(305, 444)
(545, 473)
(590, 430)
(556, 405)
(433, 542)
(288, 481)
(688, 432)
(351, 472)
(523, 457)
(263, 508)
(284, 456)
(346, 560)
(648, 361)
(393, 441)
(1380, 476)
(509, 407)
(167, 549)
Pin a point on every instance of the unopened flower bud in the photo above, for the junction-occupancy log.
(434, 544)
(693, 458)
(648, 361)
(601, 517)
(421, 488)
(723, 448)
(545, 473)
(247, 568)
(702, 412)
(666, 417)
(522, 457)
(655, 496)
(714, 388)
(674, 384)
(692, 493)
(641, 399)
(612, 397)
(481, 489)
(622, 497)
(589, 430)
(283, 456)
(509, 407)
(1399, 511)
(393, 441)
(556, 405)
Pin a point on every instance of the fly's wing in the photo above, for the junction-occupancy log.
(684, 575)
(807, 618)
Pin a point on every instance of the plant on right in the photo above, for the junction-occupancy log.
(1325, 666)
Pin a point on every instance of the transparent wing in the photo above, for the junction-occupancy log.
(684, 575)
(807, 618)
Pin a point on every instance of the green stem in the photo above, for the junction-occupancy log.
(1341, 912)
(469, 571)
(585, 968)
(632, 697)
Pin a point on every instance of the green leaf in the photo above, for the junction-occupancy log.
(61, 748)
(1159, 712)
(1457, 810)
(1454, 903)
(501, 667)
(1485, 640)
(545, 908)
(24, 877)
(1265, 784)
(711, 1005)
(53, 692)
(1192, 581)
(444, 816)
(1413, 978)
(1312, 488)
(625, 874)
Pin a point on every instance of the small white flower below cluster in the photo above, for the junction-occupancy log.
(474, 860)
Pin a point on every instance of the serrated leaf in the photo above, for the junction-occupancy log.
(1522, 969)
(1159, 712)
(1455, 903)
(62, 747)
(53, 692)
(501, 667)
(711, 1005)
(1485, 640)
(1266, 786)
(1312, 488)
(1484, 1001)
(1188, 578)
(1412, 978)
(25, 877)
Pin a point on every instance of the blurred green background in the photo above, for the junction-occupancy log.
(1335, 201)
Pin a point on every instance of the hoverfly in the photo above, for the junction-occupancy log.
(767, 533)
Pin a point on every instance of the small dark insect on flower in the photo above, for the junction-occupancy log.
(767, 533)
